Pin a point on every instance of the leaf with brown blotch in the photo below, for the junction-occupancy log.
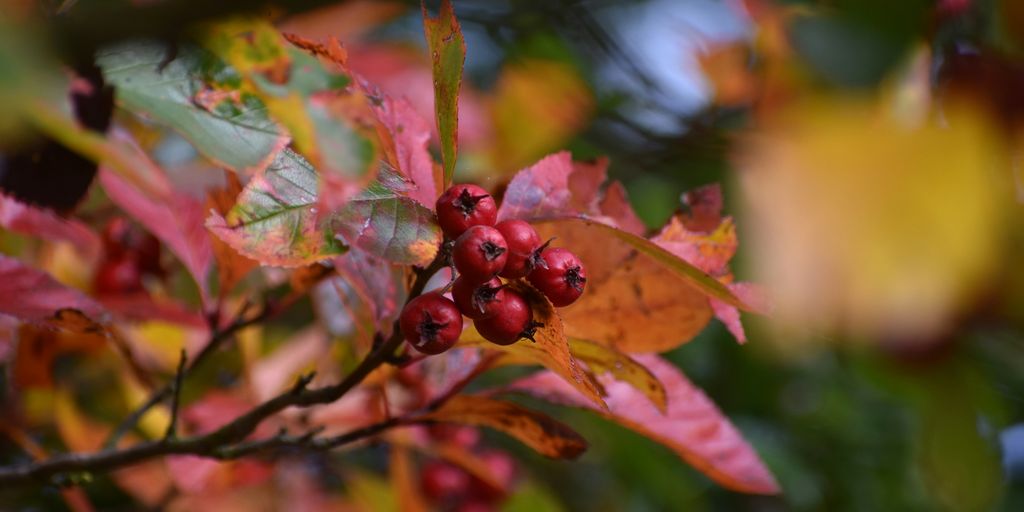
(176, 219)
(603, 359)
(42, 341)
(448, 56)
(550, 348)
(639, 297)
(544, 434)
(37, 222)
(30, 294)
(232, 266)
(275, 220)
(693, 427)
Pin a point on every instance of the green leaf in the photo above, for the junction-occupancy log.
(275, 220)
(233, 132)
(448, 55)
(386, 224)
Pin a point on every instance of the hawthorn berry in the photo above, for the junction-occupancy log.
(561, 278)
(512, 322)
(441, 481)
(480, 253)
(478, 301)
(523, 242)
(118, 275)
(464, 206)
(431, 323)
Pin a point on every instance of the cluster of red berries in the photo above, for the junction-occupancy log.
(484, 253)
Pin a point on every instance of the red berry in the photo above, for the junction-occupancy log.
(464, 206)
(480, 253)
(523, 242)
(514, 321)
(442, 481)
(478, 300)
(561, 276)
(118, 275)
(431, 323)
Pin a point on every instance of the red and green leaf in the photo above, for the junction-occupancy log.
(692, 427)
(448, 55)
(386, 223)
(275, 220)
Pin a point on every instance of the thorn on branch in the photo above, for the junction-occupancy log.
(179, 375)
(302, 382)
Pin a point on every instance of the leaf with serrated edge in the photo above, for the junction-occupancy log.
(448, 55)
(275, 220)
(388, 225)
(544, 434)
(693, 427)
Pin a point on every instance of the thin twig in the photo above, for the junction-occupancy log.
(218, 443)
(172, 426)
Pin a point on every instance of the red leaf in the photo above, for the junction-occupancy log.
(693, 427)
(556, 186)
(541, 190)
(709, 251)
(410, 134)
(177, 220)
(31, 294)
(615, 205)
(29, 220)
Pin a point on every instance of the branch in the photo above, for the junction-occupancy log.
(176, 397)
(221, 443)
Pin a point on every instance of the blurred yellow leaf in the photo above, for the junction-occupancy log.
(866, 226)
(538, 105)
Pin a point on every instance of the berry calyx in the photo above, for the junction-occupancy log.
(523, 242)
(480, 253)
(513, 322)
(431, 323)
(562, 277)
(478, 301)
(464, 206)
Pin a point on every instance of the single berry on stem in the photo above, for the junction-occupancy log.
(512, 322)
(562, 277)
(478, 301)
(480, 253)
(523, 242)
(464, 206)
(431, 323)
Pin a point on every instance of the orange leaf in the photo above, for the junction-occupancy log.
(604, 359)
(538, 431)
(551, 348)
(693, 427)
(231, 265)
